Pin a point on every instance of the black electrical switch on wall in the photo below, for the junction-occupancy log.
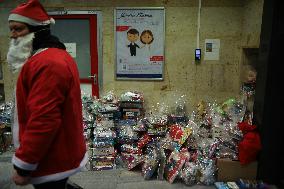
(197, 54)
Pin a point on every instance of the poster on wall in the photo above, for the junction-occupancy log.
(212, 49)
(139, 43)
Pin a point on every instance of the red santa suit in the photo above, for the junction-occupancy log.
(50, 136)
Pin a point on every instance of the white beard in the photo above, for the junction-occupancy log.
(19, 51)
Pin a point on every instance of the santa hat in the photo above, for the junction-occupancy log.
(31, 13)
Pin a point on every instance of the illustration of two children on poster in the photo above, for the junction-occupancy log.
(146, 39)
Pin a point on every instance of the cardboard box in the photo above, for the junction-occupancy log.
(229, 170)
(131, 113)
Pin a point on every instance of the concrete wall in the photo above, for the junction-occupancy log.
(235, 22)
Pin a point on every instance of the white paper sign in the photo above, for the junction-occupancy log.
(71, 49)
(212, 49)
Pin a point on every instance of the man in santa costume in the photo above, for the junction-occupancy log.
(47, 130)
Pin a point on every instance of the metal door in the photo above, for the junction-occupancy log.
(79, 34)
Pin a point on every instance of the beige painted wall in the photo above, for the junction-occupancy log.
(236, 23)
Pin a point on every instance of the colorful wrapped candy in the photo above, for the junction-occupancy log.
(175, 163)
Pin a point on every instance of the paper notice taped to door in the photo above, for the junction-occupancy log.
(71, 49)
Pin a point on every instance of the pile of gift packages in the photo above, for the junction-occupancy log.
(167, 142)
(5, 127)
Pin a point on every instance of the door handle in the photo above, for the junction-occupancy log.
(94, 78)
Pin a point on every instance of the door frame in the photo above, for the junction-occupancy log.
(87, 14)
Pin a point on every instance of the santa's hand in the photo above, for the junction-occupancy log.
(20, 180)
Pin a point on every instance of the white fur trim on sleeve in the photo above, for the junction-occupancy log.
(23, 165)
